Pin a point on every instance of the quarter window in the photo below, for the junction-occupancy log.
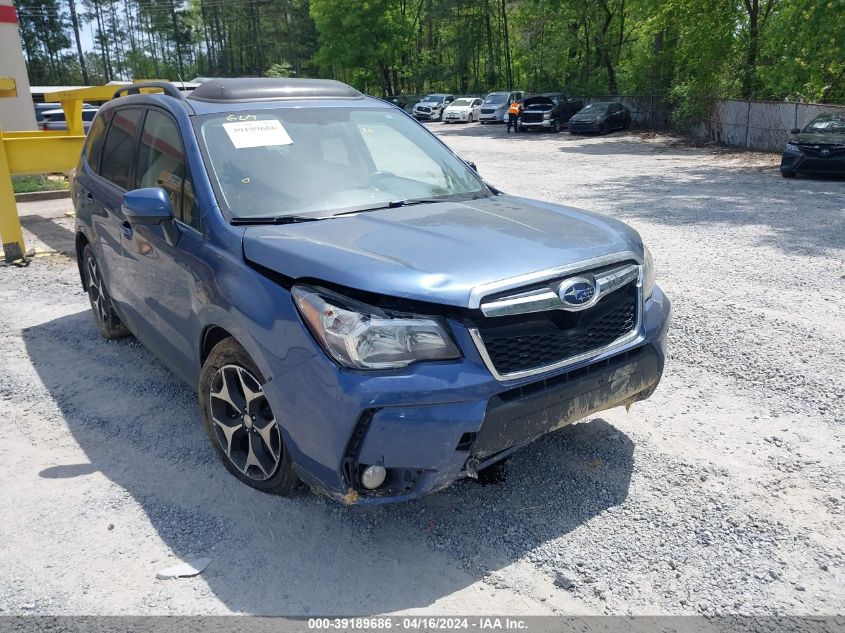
(161, 163)
(116, 164)
(94, 142)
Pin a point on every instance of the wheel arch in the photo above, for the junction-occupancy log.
(211, 336)
(81, 243)
(219, 325)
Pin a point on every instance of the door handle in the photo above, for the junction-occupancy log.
(126, 228)
(89, 196)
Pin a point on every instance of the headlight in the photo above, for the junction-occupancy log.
(792, 147)
(648, 273)
(360, 336)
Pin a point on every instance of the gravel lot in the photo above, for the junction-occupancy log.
(723, 493)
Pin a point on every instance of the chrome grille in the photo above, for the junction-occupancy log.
(530, 331)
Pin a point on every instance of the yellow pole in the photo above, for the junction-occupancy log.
(10, 224)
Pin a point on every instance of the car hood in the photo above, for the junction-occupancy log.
(810, 138)
(438, 252)
(459, 108)
(538, 101)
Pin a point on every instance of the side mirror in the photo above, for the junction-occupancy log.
(151, 206)
(795, 130)
(472, 165)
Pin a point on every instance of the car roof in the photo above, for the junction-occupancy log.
(829, 116)
(58, 110)
(267, 89)
(239, 94)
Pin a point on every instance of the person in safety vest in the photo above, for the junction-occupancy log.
(513, 115)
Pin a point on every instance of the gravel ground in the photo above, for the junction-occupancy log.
(723, 493)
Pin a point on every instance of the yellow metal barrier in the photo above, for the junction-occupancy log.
(36, 152)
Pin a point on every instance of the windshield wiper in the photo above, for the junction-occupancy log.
(281, 219)
(395, 204)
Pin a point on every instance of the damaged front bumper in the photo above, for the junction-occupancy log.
(434, 423)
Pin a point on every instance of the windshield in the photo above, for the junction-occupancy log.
(273, 163)
(433, 99)
(826, 125)
(496, 97)
(595, 108)
(462, 102)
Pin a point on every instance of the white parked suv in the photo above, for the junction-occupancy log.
(432, 106)
(55, 119)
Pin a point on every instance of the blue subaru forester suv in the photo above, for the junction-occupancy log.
(356, 307)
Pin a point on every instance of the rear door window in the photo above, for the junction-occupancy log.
(161, 163)
(116, 161)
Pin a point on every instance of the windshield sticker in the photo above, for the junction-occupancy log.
(262, 133)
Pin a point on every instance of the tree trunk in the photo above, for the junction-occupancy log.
(74, 20)
(507, 45)
(176, 38)
(753, 9)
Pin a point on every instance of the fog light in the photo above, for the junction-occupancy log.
(373, 477)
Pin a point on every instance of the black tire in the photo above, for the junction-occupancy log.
(246, 438)
(483, 122)
(556, 126)
(105, 317)
(788, 174)
(604, 129)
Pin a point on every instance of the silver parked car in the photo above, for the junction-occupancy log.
(55, 119)
(432, 106)
(496, 105)
(465, 109)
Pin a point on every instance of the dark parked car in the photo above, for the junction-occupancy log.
(817, 149)
(549, 111)
(398, 100)
(600, 118)
(355, 306)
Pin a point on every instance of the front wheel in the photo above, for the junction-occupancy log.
(788, 174)
(556, 126)
(242, 427)
(105, 317)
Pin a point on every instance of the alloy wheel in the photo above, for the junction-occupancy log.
(244, 423)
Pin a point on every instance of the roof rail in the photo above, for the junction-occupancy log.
(165, 86)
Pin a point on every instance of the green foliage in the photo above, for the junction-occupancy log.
(281, 69)
(680, 52)
(804, 53)
(37, 182)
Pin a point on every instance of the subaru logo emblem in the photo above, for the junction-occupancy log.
(825, 152)
(577, 292)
